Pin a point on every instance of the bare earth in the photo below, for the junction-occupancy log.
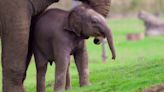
(155, 88)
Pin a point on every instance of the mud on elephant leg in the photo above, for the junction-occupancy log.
(81, 60)
(61, 71)
(14, 52)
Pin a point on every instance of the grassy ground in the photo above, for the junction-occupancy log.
(138, 64)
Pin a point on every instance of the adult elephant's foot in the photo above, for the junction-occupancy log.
(12, 83)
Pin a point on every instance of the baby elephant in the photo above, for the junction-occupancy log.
(58, 34)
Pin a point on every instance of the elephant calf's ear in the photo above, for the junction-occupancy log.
(72, 30)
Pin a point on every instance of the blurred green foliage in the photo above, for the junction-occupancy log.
(124, 7)
(134, 6)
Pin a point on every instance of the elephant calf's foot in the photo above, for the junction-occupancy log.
(59, 90)
(67, 87)
(84, 83)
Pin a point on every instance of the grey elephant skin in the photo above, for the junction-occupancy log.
(102, 7)
(16, 18)
(58, 34)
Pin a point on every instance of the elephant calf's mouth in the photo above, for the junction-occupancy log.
(96, 41)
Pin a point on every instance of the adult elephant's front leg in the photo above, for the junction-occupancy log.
(81, 60)
(15, 34)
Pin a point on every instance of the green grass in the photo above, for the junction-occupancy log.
(138, 65)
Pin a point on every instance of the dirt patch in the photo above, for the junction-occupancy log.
(155, 88)
(135, 36)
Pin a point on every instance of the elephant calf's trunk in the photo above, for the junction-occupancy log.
(110, 43)
(102, 7)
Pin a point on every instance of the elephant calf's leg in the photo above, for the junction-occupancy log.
(81, 60)
(62, 62)
(41, 65)
(68, 79)
(41, 73)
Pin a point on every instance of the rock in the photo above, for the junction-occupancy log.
(154, 26)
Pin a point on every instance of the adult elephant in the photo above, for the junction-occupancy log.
(15, 21)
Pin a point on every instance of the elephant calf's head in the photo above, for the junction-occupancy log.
(100, 6)
(85, 22)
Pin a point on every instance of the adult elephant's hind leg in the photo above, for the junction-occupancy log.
(15, 35)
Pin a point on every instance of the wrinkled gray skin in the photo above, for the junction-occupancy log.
(15, 22)
(58, 34)
(15, 18)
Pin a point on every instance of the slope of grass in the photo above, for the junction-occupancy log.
(138, 65)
